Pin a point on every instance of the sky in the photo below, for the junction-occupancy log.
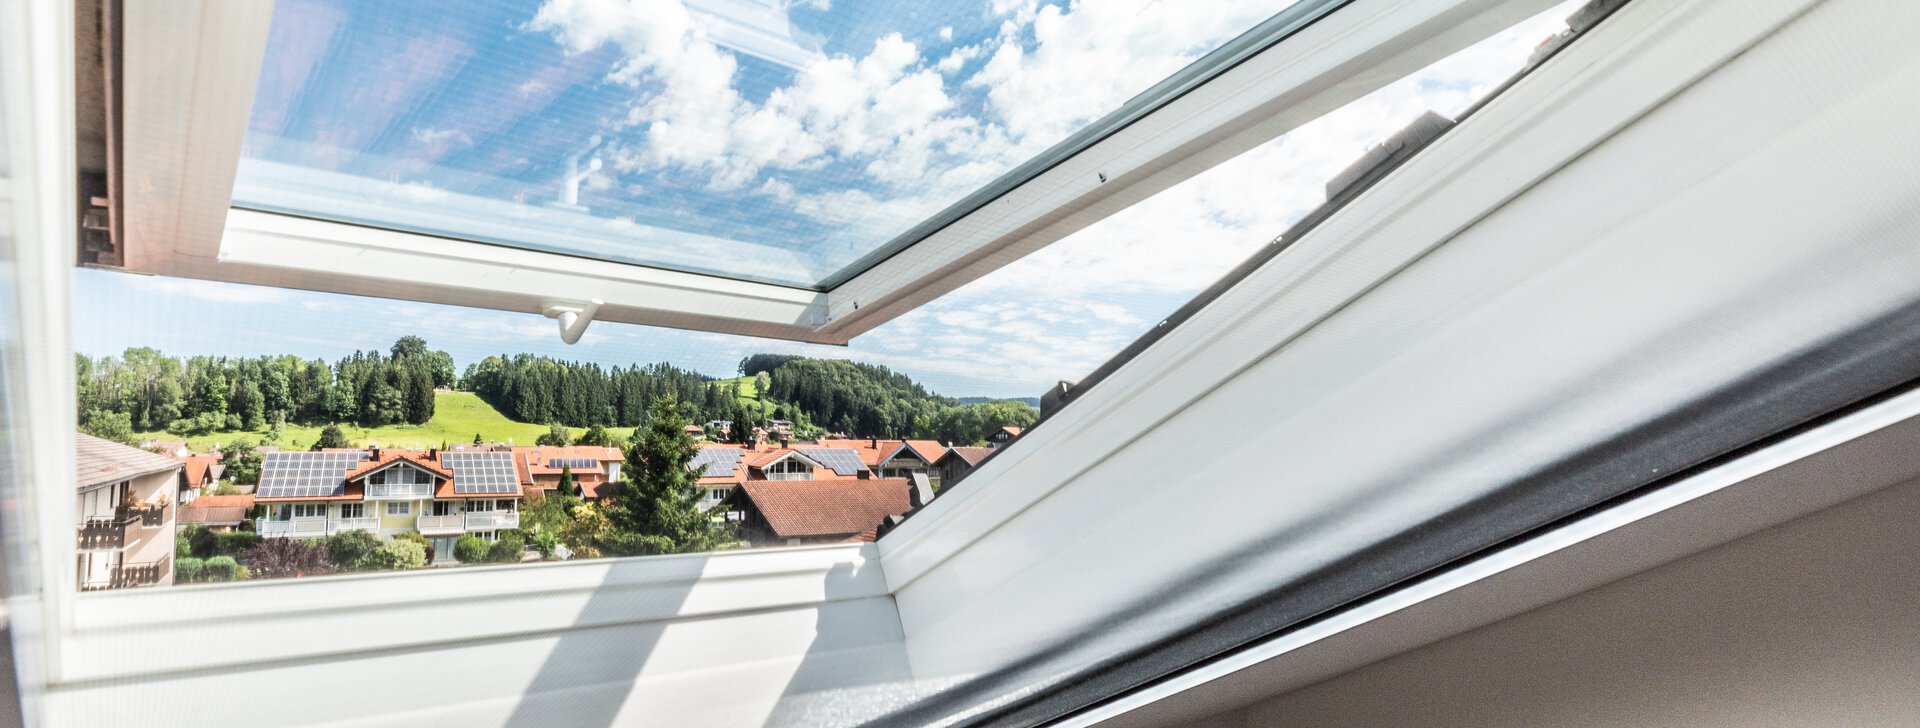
(797, 135)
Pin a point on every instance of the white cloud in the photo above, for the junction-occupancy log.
(432, 136)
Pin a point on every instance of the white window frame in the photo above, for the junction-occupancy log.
(1295, 68)
(399, 508)
(345, 508)
(126, 641)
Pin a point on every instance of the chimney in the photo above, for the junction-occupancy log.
(433, 454)
(376, 454)
(920, 491)
(876, 444)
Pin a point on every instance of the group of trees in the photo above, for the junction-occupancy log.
(144, 390)
(532, 388)
(866, 400)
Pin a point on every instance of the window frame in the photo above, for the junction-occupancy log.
(1305, 61)
(405, 508)
(87, 631)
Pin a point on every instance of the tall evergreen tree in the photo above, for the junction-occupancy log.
(657, 511)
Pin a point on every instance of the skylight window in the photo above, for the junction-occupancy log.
(776, 142)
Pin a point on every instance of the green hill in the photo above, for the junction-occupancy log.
(457, 417)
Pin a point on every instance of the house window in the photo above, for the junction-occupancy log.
(399, 508)
(443, 508)
(792, 468)
(505, 505)
(353, 510)
(479, 506)
(309, 510)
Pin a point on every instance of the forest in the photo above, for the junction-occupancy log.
(144, 390)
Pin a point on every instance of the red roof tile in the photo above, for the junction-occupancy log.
(213, 516)
(833, 507)
(198, 467)
(224, 501)
(973, 455)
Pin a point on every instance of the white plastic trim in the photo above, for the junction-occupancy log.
(1858, 454)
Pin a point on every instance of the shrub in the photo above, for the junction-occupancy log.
(242, 573)
(509, 549)
(188, 569)
(234, 543)
(353, 550)
(546, 542)
(425, 545)
(276, 558)
(182, 549)
(471, 549)
(222, 568)
(200, 540)
(403, 553)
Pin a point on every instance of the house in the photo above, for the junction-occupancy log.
(724, 427)
(721, 468)
(594, 467)
(217, 512)
(696, 432)
(201, 473)
(440, 495)
(958, 461)
(1003, 436)
(126, 512)
(814, 511)
(893, 458)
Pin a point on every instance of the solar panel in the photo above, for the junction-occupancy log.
(481, 472)
(575, 463)
(715, 461)
(306, 474)
(843, 462)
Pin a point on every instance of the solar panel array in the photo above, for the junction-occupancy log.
(575, 463)
(306, 474)
(844, 462)
(481, 472)
(716, 461)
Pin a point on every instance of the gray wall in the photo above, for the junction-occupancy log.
(1812, 623)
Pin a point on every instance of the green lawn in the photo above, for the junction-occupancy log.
(749, 394)
(457, 416)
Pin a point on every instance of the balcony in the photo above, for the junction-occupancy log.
(492, 520)
(106, 533)
(145, 573)
(312, 527)
(440, 525)
(399, 491)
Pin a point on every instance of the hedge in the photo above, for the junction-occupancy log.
(222, 568)
(188, 569)
(234, 543)
(471, 549)
(509, 549)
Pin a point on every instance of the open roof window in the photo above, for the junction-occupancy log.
(795, 170)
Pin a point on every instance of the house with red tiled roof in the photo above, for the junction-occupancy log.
(440, 495)
(1003, 436)
(958, 461)
(201, 473)
(217, 512)
(894, 458)
(594, 467)
(812, 511)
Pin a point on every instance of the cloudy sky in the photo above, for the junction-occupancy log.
(801, 135)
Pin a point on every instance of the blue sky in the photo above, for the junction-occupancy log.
(814, 129)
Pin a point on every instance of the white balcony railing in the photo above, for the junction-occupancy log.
(270, 528)
(313, 526)
(399, 491)
(439, 525)
(492, 520)
(339, 525)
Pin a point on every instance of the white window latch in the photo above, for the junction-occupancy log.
(573, 317)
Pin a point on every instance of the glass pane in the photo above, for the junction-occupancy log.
(758, 139)
(294, 389)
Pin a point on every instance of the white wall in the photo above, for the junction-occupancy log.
(1815, 622)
